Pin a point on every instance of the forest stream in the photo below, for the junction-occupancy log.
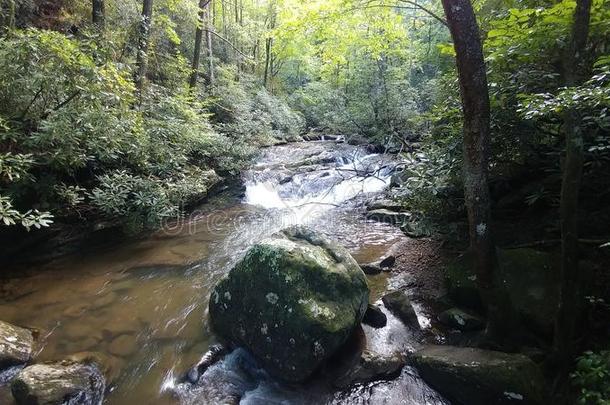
(144, 304)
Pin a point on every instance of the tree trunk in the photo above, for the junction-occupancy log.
(201, 20)
(98, 15)
(209, 28)
(142, 55)
(476, 149)
(571, 279)
(268, 45)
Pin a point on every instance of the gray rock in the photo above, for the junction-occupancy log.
(458, 319)
(390, 205)
(390, 217)
(374, 317)
(59, 384)
(370, 367)
(16, 345)
(371, 268)
(293, 300)
(480, 377)
(399, 304)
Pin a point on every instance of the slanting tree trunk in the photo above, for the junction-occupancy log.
(142, 55)
(203, 5)
(476, 149)
(98, 14)
(571, 279)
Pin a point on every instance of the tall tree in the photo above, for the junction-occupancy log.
(98, 15)
(143, 38)
(201, 20)
(208, 39)
(571, 279)
(476, 149)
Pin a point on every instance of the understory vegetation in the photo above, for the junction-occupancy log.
(130, 114)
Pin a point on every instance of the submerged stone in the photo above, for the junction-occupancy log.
(58, 384)
(480, 377)
(293, 300)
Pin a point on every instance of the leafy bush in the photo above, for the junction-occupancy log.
(245, 111)
(71, 140)
(591, 377)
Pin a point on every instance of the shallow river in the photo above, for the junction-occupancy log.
(143, 304)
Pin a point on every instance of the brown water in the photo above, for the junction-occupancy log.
(144, 304)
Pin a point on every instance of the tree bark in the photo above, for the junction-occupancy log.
(142, 55)
(208, 38)
(201, 20)
(268, 47)
(571, 280)
(476, 150)
(98, 15)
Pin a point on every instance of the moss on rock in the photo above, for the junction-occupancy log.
(292, 300)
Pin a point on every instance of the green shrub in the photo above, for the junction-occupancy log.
(592, 378)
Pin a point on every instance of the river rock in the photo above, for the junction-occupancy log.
(374, 317)
(123, 345)
(400, 305)
(293, 300)
(480, 377)
(531, 280)
(370, 367)
(391, 217)
(58, 384)
(109, 365)
(16, 345)
(462, 320)
(390, 205)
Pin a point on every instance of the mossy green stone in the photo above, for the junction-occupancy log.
(293, 300)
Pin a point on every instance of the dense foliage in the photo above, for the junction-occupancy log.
(78, 139)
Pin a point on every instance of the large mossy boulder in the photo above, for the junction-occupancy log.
(293, 300)
(529, 276)
(16, 345)
(59, 384)
(471, 376)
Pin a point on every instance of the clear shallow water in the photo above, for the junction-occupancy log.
(144, 304)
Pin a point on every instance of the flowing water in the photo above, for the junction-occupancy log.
(143, 304)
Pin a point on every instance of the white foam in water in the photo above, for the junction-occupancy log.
(349, 184)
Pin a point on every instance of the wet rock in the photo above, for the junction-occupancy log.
(458, 319)
(123, 345)
(286, 179)
(58, 384)
(371, 268)
(109, 365)
(531, 280)
(390, 205)
(374, 317)
(16, 345)
(480, 377)
(390, 217)
(385, 264)
(399, 304)
(213, 355)
(293, 300)
(370, 367)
